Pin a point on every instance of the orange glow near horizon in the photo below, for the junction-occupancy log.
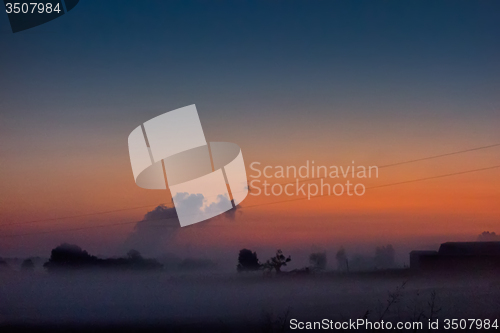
(465, 204)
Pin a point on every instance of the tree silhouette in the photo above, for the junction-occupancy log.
(68, 256)
(134, 255)
(3, 265)
(277, 262)
(487, 236)
(318, 260)
(28, 265)
(342, 263)
(248, 261)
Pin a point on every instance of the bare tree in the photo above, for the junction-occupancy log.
(277, 262)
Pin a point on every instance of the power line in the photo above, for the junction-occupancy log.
(384, 185)
(77, 216)
(406, 162)
(300, 181)
(436, 177)
(83, 228)
(258, 205)
(438, 156)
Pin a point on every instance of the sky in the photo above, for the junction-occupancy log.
(375, 82)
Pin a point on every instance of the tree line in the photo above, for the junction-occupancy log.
(384, 258)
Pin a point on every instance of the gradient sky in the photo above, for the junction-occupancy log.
(377, 82)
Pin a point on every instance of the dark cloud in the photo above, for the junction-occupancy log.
(155, 233)
(167, 216)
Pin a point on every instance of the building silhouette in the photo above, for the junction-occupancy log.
(458, 257)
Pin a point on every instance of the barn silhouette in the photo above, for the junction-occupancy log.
(458, 257)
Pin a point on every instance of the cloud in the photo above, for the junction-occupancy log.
(189, 202)
(167, 215)
(155, 232)
(215, 207)
(197, 204)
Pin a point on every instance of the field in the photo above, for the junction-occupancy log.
(232, 302)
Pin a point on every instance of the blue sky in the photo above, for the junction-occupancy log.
(124, 54)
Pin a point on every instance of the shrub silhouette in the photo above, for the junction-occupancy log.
(248, 261)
